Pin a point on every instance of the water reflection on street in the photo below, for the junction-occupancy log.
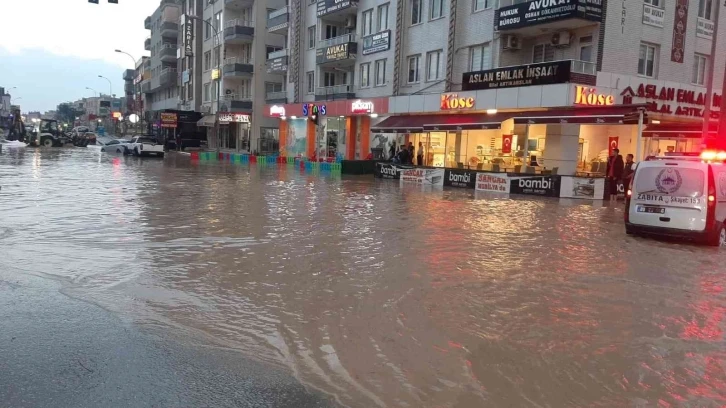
(377, 294)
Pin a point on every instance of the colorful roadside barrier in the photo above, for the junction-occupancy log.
(332, 166)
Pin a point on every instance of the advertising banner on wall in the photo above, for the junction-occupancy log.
(544, 73)
(460, 178)
(680, 25)
(544, 186)
(336, 52)
(582, 187)
(386, 171)
(168, 120)
(427, 177)
(377, 42)
(535, 12)
(492, 182)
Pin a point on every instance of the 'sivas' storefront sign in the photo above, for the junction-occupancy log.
(377, 42)
(555, 72)
(331, 6)
(536, 12)
(460, 178)
(546, 186)
(336, 52)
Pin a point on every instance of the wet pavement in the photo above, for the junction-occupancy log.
(348, 291)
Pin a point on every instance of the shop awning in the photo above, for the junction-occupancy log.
(419, 123)
(678, 130)
(207, 121)
(605, 115)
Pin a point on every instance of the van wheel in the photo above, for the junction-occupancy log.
(718, 238)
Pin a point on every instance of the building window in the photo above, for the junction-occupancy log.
(437, 9)
(480, 57)
(273, 87)
(311, 81)
(699, 69)
(218, 23)
(655, 3)
(216, 56)
(207, 60)
(646, 60)
(311, 37)
(365, 75)
(586, 48)
(413, 70)
(208, 29)
(206, 92)
(433, 65)
(368, 22)
(214, 87)
(543, 53)
(416, 11)
(482, 4)
(380, 72)
(383, 17)
(331, 31)
(704, 9)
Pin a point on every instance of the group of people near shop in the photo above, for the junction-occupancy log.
(618, 172)
(404, 154)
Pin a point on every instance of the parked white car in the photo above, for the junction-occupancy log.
(116, 146)
(145, 145)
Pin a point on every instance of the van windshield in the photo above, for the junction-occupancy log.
(675, 182)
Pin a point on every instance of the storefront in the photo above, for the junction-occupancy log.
(327, 130)
(234, 131)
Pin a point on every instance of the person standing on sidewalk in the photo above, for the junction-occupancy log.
(614, 172)
(628, 170)
(420, 154)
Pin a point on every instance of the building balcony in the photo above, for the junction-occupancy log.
(147, 44)
(147, 23)
(549, 18)
(339, 51)
(331, 93)
(278, 21)
(168, 77)
(277, 62)
(238, 31)
(336, 10)
(129, 75)
(276, 97)
(128, 88)
(237, 68)
(238, 4)
(146, 87)
(169, 30)
(169, 3)
(238, 103)
(167, 53)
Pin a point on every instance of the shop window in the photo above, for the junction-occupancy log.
(311, 37)
(365, 75)
(437, 9)
(480, 57)
(413, 68)
(416, 12)
(311, 81)
(543, 53)
(647, 60)
(704, 9)
(383, 17)
(269, 141)
(380, 72)
(699, 69)
(367, 22)
(433, 65)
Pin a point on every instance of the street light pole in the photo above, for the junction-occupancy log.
(109, 120)
(138, 122)
(95, 91)
(110, 87)
(219, 78)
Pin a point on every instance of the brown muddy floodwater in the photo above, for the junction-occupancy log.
(378, 295)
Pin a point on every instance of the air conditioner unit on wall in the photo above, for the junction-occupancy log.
(511, 42)
(561, 39)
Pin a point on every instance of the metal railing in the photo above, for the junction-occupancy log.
(276, 95)
(237, 60)
(341, 39)
(167, 70)
(583, 67)
(336, 89)
(279, 12)
(238, 22)
(277, 54)
(237, 97)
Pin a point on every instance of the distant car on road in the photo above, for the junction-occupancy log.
(118, 146)
(146, 145)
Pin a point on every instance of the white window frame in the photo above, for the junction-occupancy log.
(435, 12)
(312, 34)
(310, 77)
(654, 3)
(705, 9)
(208, 29)
(207, 60)
(380, 68)
(485, 63)
(207, 87)
(416, 18)
(700, 64)
(545, 47)
(382, 17)
(417, 75)
(367, 20)
(585, 44)
(480, 5)
(645, 63)
(367, 69)
(436, 68)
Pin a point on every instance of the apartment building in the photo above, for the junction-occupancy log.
(161, 87)
(476, 81)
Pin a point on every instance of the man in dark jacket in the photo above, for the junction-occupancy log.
(614, 172)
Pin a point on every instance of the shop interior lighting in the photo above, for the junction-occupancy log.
(491, 111)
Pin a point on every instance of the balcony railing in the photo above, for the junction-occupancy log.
(336, 89)
(583, 67)
(237, 60)
(167, 50)
(237, 97)
(277, 54)
(238, 22)
(341, 39)
(279, 12)
(276, 95)
(147, 23)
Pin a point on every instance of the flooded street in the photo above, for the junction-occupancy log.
(375, 294)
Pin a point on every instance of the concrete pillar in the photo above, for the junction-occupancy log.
(283, 138)
(311, 133)
(365, 137)
(561, 146)
(350, 130)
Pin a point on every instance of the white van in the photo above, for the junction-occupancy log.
(679, 196)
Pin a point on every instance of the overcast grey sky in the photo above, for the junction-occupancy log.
(68, 31)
